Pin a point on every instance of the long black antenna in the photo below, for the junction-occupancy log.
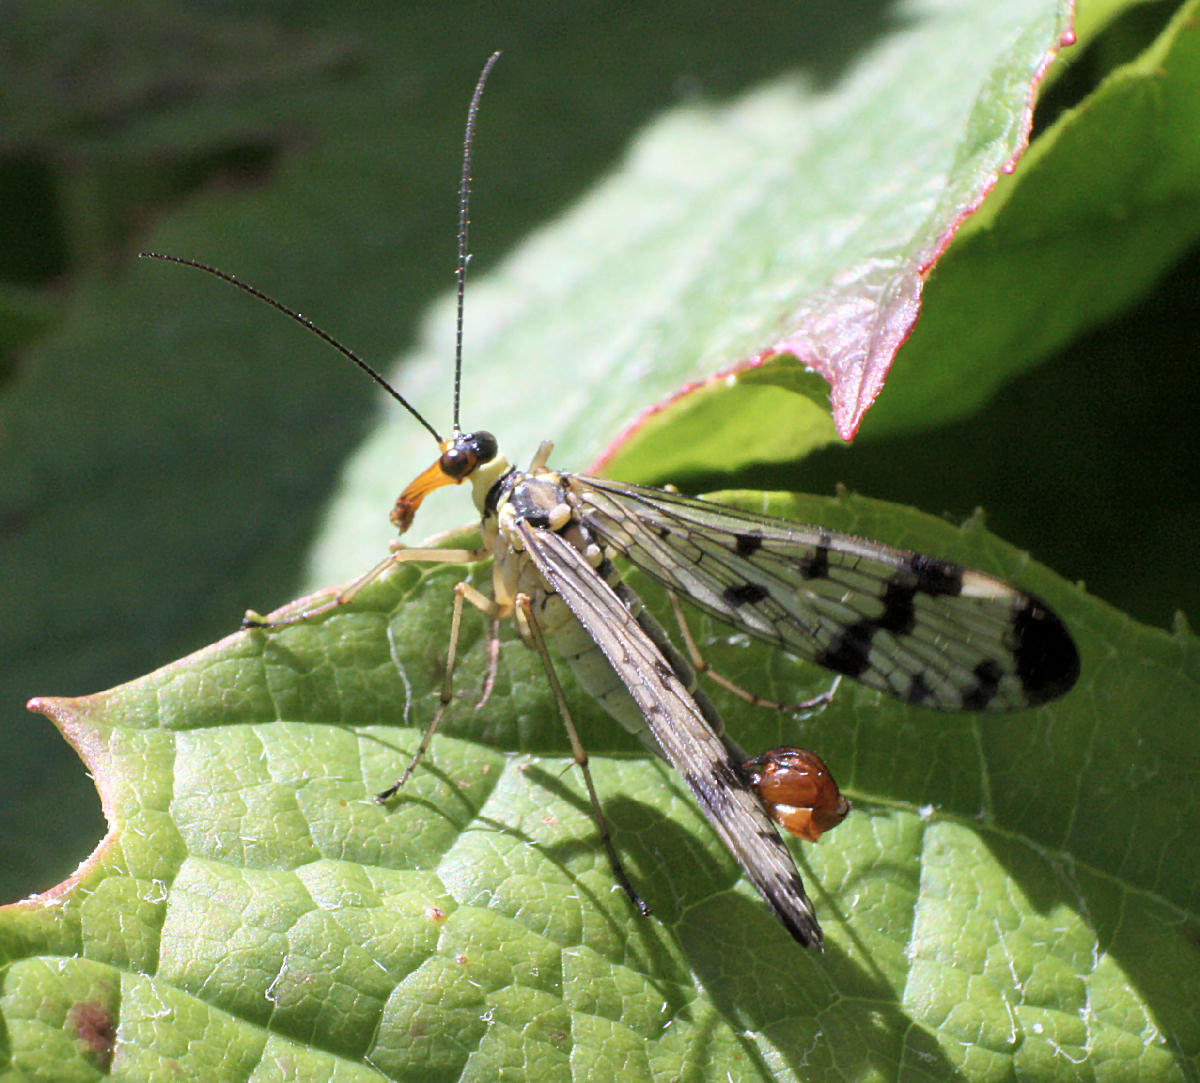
(464, 198)
(304, 321)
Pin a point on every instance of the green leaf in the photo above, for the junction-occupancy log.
(173, 452)
(1002, 894)
(1105, 201)
(1003, 903)
(798, 220)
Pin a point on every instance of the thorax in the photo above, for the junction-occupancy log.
(543, 500)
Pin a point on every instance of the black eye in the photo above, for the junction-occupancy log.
(485, 445)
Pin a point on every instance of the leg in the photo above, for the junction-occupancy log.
(425, 556)
(701, 666)
(481, 601)
(525, 610)
(493, 662)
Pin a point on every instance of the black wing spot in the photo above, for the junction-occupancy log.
(726, 774)
(747, 544)
(744, 594)
(898, 615)
(987, 678)
(935, 576)
(1047, 659)
(664, 671)
(849, 653)
(918, 690)
(816, 564)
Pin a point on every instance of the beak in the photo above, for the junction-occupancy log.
(406, 506)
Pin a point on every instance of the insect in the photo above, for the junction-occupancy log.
(925, 630)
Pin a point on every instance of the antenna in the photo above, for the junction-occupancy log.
(303, 321)
(464, 199)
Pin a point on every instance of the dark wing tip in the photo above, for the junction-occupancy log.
(790, 904)
(1047, 658)
(806, 935)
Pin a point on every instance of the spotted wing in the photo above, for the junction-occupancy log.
(686, 739)
(925, 630)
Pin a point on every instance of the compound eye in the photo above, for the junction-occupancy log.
(458, 461)
(486, 445)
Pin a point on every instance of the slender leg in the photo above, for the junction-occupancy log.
(493, 662)
(700, 665)
(402, 556)
(525, 609)
(462, 591)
